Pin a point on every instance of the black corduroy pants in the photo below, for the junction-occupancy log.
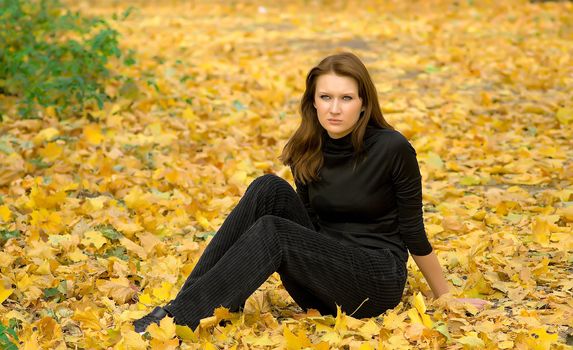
(270, 231)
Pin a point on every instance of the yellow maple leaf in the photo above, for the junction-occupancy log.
(96, 203)
(292, 341)
(133, 247)
(321, 346)
(238, 179)
(131, 340)
(137, 199)
(414, 316)
(24, 282)
(95, 238)
(539, 339)
(51, 151)
(222, 313)
(127, 228)
(92, 134)
(119, 289)
(209, 346)
(418, 313)
(145, 300)
(506, 344)
(77, 255)
(50, 333)
(186, 333)
(542, 227)
(40, 198)
(369, 329)
(433, 229)
(4, 293)
(48, 221)
(163, 293)
(188, 114)
(393, 320)
(340, 321)
(88, 317)
(202, 220)
(164, 331)
(171, 344)
(47, 134)
(44, 268)
(566, 213)
(208, 322)
(263, 340)
(565, 115)
(418, 303)
(5, 213)
(472, 341)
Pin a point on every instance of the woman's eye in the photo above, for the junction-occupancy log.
(347, 98)
(324, 97)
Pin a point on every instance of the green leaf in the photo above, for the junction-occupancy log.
(205, 235)
(110, 232)
(51, 292)
(431, 69)
(118, 252)
(5, 235)
(470, 181)
(42, 71)
(435, 161)
(7, 335)
(239, 106)
(513, 218)
(443, 329)
(5, 147)
(58, 293)
(456, 281)
(39, 163)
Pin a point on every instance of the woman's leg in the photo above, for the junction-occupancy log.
(266, 195)
(324, 273)
(330, 272)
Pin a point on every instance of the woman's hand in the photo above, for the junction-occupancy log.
(478, 303)
(453, 303)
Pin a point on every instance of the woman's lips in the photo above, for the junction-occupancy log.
(335, 121)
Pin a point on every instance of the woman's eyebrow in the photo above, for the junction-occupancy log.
(345, 93)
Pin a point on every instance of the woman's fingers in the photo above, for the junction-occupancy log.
(479, 303)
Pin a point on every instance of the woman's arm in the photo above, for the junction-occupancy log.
(407, 182)
(433, 273)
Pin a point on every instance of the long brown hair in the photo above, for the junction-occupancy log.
(303, 152)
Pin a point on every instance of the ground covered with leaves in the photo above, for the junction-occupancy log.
(102, 217)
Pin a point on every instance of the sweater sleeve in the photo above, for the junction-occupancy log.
(407, 182)
(302, 191)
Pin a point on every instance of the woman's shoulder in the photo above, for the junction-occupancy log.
(386, 138)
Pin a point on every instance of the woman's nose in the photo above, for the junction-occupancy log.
(335, 106)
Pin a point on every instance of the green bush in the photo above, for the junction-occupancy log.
(51, 56)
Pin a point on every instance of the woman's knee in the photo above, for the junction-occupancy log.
(270, 183)
(269, 225)
(266, 229)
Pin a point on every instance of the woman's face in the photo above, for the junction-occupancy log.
(337, 104)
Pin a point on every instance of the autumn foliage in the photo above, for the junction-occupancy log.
(102, 217)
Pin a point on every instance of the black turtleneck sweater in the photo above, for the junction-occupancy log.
(375, 204)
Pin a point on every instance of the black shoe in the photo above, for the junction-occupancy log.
(154, 316)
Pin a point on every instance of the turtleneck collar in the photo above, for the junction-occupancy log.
(339, 146)
(343, 145)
